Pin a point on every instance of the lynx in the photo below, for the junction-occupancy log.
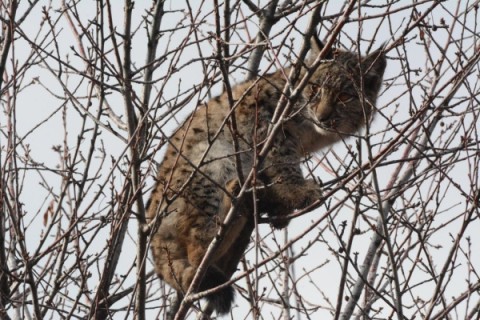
(198, 177)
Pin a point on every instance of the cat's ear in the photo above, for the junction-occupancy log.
(374, 65)
(316, 46)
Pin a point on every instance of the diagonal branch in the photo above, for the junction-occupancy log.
(283, 107)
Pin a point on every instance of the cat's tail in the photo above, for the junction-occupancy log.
(221, 300)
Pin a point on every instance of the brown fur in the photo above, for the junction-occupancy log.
(198, 175)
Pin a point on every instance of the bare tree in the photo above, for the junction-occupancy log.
(91, 91)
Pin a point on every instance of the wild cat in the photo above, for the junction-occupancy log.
(198, 177)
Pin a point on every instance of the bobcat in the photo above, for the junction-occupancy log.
(198, 176)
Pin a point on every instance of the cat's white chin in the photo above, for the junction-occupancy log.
(324, 131)
(321, 138)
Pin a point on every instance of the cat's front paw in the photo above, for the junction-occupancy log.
(310, 193)
(294, 197)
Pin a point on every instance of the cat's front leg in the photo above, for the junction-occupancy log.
(285, 189)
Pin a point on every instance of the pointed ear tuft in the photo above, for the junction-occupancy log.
(316, 46)
(374, 64)
(375, 61)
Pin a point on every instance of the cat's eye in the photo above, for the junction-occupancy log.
(315, 91)
(345, 97)
(315, 87)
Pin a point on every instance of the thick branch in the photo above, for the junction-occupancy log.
(266, 22)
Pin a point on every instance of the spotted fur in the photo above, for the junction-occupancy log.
(198, 176)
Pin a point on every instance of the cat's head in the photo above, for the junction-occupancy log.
(343, 90)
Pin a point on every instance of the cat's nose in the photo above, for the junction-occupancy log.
(324, 111)
(324, 117)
